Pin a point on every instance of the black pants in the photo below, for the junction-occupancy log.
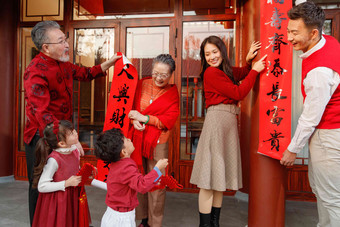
(30, 160)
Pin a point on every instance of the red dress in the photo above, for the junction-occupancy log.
(60, 208)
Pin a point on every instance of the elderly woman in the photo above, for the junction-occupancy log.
(156, 108)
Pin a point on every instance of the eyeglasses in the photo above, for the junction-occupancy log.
(161, 75)
(63, 42)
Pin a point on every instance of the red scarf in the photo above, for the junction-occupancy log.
(166, 109)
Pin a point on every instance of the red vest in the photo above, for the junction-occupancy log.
(328, 56)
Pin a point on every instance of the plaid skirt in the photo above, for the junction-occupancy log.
(217, 164)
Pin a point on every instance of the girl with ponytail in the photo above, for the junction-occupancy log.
(57, 163)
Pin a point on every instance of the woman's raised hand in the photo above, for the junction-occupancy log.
(255, 46)
(260, 65)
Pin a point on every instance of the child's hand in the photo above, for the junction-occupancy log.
(72, 181)
(161, 164)
(80, 149)
(94, 173)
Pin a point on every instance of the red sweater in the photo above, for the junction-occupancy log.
(48, 85)
(218, 88)
(123, 183)
(328, 56)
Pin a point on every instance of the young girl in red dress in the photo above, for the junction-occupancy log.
(57, 163)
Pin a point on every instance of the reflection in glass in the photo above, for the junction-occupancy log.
(327, 27)
(192, 104)
(91, 47)
(144, 44)
(203, 7)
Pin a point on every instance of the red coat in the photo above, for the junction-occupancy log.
(218, 88)
(48, 85)
(124, 181)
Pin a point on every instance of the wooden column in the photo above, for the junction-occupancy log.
(7, 85)
(263, 177)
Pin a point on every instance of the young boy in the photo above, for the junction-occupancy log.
(123, 180)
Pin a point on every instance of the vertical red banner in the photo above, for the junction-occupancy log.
(120, 102)
(275, 81)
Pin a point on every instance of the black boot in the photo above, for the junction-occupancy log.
(144, 223)
(215, 216)
(205, 220)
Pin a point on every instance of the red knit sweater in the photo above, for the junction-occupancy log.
(123, 183)
(218, 88)
(328, 56)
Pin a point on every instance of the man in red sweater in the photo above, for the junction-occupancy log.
(320, 120)
(48, 84)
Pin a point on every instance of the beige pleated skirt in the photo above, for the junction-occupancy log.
(217, 164)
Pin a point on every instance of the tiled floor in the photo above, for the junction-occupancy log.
(180, 209)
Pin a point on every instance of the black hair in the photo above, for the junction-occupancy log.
(165, 59)
(109, 145)
(312, 15)
(225, 66)
(47, 144)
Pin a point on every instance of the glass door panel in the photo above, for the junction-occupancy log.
(91, 47)
(192, 103)
(145, 43)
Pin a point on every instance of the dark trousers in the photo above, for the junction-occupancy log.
(30, 160)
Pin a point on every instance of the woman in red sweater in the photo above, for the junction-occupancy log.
(217, 164)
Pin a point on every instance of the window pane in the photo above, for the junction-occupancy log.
(204, 7)
(144, 44)
(38, 10)
(92, 47)
(114, 9)
(192, 104)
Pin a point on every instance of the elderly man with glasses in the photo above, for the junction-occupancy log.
(48, 84)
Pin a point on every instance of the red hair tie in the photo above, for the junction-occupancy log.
(56, 128)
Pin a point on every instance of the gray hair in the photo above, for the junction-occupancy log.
(39, 31)
(165, 59)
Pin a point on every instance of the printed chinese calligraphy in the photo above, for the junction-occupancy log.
(276, 42)
(120, 102)
(276, 85)
(274, 140)
(122, 94)
(276, 19)
(276, 93)
(124, 70)
(118, 118)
